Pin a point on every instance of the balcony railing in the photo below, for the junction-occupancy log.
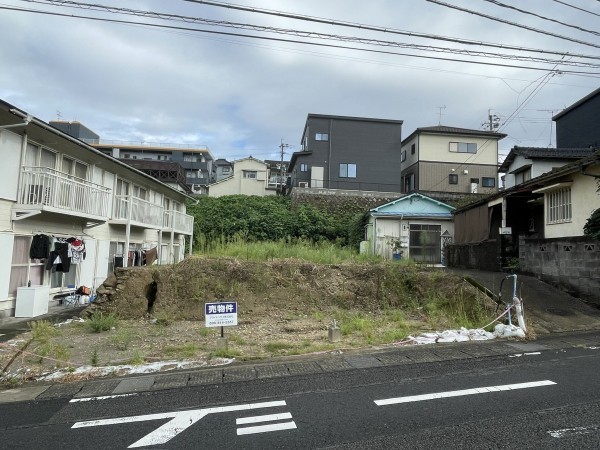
(138, 211)
(179, 222)
(50, 189)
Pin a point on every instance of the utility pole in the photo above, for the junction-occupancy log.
(281, 146)
(493, 121)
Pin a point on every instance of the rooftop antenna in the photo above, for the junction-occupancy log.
(551, 111)
(58, 115)
(440, 113)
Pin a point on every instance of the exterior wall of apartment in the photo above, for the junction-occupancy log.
(579, 128)
(437, 148)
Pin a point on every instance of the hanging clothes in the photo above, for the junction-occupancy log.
(59, 260)
(77, 249)
(40, 247)
(151, 256)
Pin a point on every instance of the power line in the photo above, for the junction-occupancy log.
(514, 24)
(503, 5)
(576, 7)
(295, 41)
(361, 26)
(309, 34)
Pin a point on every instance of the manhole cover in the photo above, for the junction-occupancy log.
(558, 312)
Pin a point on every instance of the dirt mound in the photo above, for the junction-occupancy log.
(278, 287)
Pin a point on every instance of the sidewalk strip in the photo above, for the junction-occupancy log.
(481, 390)
(103, 397)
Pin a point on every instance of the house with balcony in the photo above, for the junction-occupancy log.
(448, 160)
(347, 153)
(249, 177)
(58, 190)
(197, 162)
(277, 174)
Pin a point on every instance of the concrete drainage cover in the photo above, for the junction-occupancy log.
(559, 312)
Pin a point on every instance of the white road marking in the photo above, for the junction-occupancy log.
(576, 430)
(481, 390)
(267, 428)
(266, 418)
(180, 421)
(103, 397)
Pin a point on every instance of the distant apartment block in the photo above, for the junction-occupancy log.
(196, 162)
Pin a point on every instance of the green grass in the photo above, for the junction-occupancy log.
(226, 353)
(318, 253)
(99, 322)
(182, 351)
(122, 338)
(42, 331)
(277, 346)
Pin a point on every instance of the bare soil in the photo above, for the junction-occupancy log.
(284, 307)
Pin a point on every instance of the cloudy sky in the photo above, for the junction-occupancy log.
(189, 72)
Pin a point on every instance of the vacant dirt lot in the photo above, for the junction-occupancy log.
(284, 307)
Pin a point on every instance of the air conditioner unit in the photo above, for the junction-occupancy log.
(303, 184)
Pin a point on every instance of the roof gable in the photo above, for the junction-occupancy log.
(414, 205)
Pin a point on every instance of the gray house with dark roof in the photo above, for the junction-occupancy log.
(348, 153)
(524, 163)
(578, 125)
(442, 159)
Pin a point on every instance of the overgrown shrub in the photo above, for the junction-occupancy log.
(99, 322)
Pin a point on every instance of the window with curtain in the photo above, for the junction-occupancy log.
(23, 269)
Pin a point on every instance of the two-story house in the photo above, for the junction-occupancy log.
(442, 159)
(223, 169)
(348, 153)
(196, 161)
(249, 177)
(70, 214)
(524, 163)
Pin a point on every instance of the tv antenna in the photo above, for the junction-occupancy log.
(440, 113)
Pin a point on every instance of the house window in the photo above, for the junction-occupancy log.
(249, 174)
(475, 180)
(413, 149)
(126, 155)
(23, 269)
(226, 170)
(463, 147)
(488, 182)
(523, 176)
(303, 167)
(559, 206)
(403, 158)
(453, 178)
(347, 170)
(321, 137)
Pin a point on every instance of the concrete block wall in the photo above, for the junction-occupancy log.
(482, 256)
(571, 264)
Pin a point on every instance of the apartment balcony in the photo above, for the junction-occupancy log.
(178, 222)
(45, 189)
(137, 212)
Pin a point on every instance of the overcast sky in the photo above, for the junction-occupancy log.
(242, 96)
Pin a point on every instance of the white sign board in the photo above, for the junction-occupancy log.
(222, 314)
(505, 230)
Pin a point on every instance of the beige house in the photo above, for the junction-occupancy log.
(249, 177)
(70, 214)
(448, 159)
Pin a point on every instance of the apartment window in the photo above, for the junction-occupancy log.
(488, 182)
(413, 149)
(559, 206)
(475, 180)
(163, 157)
(321, 137)
(347, 170)
(463, 147)
(126, 156)
(303, 167)
(453, 178)
(226, 170)
(22, 268)
(249, 174)
(189, 157)
(403, 157)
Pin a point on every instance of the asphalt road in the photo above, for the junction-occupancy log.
(540, 400)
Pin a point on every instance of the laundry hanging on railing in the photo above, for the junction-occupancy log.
(59, 252)
(59, 260)
(40, 247)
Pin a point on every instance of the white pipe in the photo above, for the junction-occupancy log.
(519, 310)
(26, 121)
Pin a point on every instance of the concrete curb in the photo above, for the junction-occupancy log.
(292, 366)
